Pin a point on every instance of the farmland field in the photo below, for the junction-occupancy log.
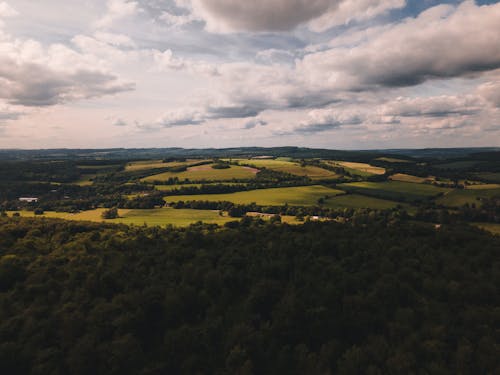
(206, 173)
(361, 169)
(157, 216)
(285, 166)
(409, 178)
(294, 196)
(405, 191)
(180, 186)
(393, 160)
(152, 164)
(490, 227)
(359, 201)
(460, 197)
(489, 176)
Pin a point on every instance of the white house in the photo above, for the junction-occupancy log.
(28, 200)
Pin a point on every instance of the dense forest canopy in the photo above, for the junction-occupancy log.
(260, 298)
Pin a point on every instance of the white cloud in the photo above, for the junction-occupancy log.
(34, 75)
(7, 11)
(322, 120)
(441, 42)
(354, 10)
(117, 10)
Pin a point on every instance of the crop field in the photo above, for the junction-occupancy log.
(285, 166)
(490, 227)
(359, 201)
(180, 186)
(489, 176)
(151, 164)
(397, 190)
(294, 196)
(457, 165)
(460, 197)
(360, 169)
(393, 160)
(206, 173)
(151, 217)
(482, 186)
(409, 178)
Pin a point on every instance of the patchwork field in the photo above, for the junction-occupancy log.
(151, 164)
(360, 169)
(457, 165)
(284, 165)
(460, 197)
(396, 190)
(489, 176)
(294, 196)
(409, 178)
(490, 227)
(360, 201)
(206, 173)
(393, 160)
(157, 216)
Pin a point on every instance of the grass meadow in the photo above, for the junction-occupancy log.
(294, 196)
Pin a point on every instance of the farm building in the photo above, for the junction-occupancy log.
(28, 199)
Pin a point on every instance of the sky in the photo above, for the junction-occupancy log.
(337, 74)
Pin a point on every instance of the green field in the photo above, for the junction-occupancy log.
(393, 160)
(490, 227)
(360, 201)
(397, 190)
(489, 176)
(152, 164)
(359, 169)
(410, 178)
(157, 216)
(466, 164)
(460, 197)
(294, 196)
(285, 166)
(180, 186)
(206, 173)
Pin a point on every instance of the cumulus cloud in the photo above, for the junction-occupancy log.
(281, 15)
(6, 10)
(322, 120)
(32, 74)
(178, 117)
(254, 123)
(442, 42)
(490, 91)
(259, 15)
(119, 122)
(116, 10)
(436, 106)
(8, 113)
(354, 11)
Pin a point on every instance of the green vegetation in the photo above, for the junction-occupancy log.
(409, 178)
(489, 176)
(493, 228)
(152, 164)
(319, 298)
(151, 217)
(206, 173)
(395, 190)
(460, 197)
(359, 169)
(284, 166)
(295, 196)
(393, 160)
(360, 201)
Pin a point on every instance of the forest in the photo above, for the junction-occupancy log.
(255, 298)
